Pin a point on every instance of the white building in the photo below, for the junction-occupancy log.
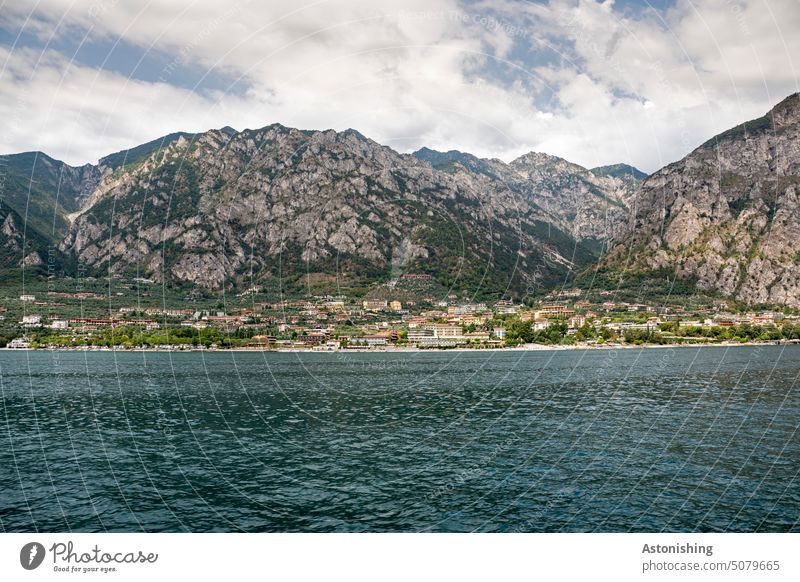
(31, 321)
(417, 334)
(443, 330)
(19, 344)
(576, 321)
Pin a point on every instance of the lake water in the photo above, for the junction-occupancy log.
(684, 439)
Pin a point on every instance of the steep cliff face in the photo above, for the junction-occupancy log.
(727, 216)
(225, 209)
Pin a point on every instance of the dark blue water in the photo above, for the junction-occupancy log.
(632, 440)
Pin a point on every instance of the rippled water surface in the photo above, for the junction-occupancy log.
(627, 440)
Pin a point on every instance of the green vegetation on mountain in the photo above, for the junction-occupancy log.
(133, 156)
(620, 171)
(42, 191)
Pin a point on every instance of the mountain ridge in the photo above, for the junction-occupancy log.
(367, 180)
(226, 208)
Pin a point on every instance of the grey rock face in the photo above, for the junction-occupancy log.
(584, 203)
(587, 204)
(224, 209)
(727, 215)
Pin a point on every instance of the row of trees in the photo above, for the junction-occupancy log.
(742, 332)
(132, 336)
(519, 332)
(523, 332)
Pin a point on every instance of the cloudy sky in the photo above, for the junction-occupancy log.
(597, 82)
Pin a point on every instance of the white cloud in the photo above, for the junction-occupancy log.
(79, 114)
(413, 73)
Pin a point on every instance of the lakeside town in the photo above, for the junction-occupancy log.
(566, 317)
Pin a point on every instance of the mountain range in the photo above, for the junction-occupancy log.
(321, 211)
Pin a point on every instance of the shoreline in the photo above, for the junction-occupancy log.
(402, 350)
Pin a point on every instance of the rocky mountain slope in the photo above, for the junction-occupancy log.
(334, 210)
(727, 216)
(281, 206)
(588, 204)
(224, 209)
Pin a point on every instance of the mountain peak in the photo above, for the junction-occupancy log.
(136, 154)
(355, 133)
(786, 112)
(537, 158)
(538, 162)
(619, 171)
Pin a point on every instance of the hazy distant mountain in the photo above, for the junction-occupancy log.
(726, 216)
(623, 171)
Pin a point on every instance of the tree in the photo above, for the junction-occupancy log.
(586, 332)
(519, 332)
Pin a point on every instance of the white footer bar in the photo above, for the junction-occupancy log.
(377, 557)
